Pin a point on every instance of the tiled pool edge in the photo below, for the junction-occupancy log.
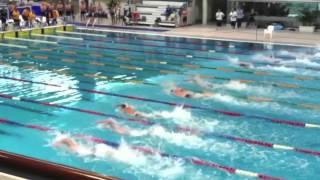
(28, 32)
(4, 176)
(36, 167)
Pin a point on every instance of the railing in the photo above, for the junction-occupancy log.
(30, 168)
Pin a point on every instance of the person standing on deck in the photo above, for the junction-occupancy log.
(219, 18)
(83, 11)
(233, 18)
(92, 15)
(240, 16)
(69, 12)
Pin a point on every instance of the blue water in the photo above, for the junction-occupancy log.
(67, 64)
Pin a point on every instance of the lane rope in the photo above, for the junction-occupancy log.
(31, 40)
(58, 37)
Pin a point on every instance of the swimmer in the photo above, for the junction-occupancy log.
(180, 92)
(201, 83)
(98, 150)
(111, 124)
(114, 126)
(67, 142)
(130, 110)
(245, 65)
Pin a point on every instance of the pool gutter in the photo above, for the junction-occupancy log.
(29, 168)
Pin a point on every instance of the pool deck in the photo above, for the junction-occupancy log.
(283, 37)
(226, 33)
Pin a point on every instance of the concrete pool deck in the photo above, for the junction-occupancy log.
(210, 31)
(226, 33)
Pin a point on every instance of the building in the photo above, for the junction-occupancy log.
(277, 10)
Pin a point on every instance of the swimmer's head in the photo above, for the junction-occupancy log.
(122, 106)
(188, 96)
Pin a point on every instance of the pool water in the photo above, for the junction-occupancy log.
(259, 110)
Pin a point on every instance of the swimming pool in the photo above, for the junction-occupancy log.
(255, 112)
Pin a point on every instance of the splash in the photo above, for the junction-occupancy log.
(179, 114)
(236, 85)
(188, 141)
(233, 60)
(278, 69)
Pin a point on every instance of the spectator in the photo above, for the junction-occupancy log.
(83, 10)
(43, 9)
(60, 8)
(99, 12)
(25, 16)
(48, 14)
(127, 16)
(168, 12)
(3, 17)
(219, 17)
(16, 17)
(92, 16)
(233, 18)
(251, 18)
(55, 15)
(113, 15)
(240, 16)
(69, 12)
(31, 19)
(184, 16)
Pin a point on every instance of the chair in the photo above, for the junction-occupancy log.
(268, 31)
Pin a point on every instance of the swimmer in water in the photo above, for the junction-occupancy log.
(201, 83)
(180, 92)
(114, 126)
(111, 124)
(71, 144)
(130, 110)
(67, 142)
(245, 65)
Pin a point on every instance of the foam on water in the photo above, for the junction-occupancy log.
(180, 139)
(179, 114)
(279, 68)
(302, 61)
(153, 165)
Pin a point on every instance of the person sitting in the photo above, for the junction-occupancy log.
(25, 16)
(16, 17)
(31, 19)
(55, 16)
(126, 16)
